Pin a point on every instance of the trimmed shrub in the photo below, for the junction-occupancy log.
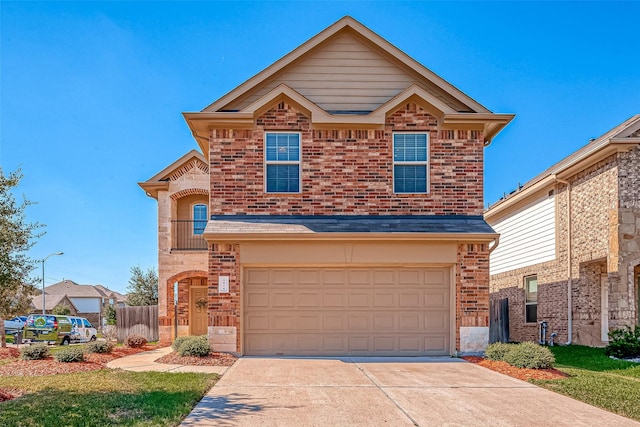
(195, 346)
(34, 352)
(135, 341)
(99, 347)
(624, 343)
(498, 350)
(529, 355)
(70, 354)
(178, 342)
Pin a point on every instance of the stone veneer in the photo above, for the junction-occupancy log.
(605, 236)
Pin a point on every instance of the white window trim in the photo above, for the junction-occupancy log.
(405, 163)
(525, 282)
(282, 162)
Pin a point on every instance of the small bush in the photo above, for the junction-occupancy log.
(99, 347)
(195, 346)
(624, 343)
(110, 332)
(178, 342)
(34, 352)
(70, 354)
(498, 350)
(529, 355)
(136, 341)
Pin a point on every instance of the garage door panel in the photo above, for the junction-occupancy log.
(384, 300)
(357, 311)
(334, 299)
(436, 299)
(358, 322)
(283, 299)
(410, 299)
(309, 322)
(333, 322)
(359, 300)
(384, 322)
(309, 299)
(359, 277)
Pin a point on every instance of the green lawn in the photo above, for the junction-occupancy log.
(105, 397)
(598, 380)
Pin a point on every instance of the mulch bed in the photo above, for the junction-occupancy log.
(214, 359)
(50, 366)
(524, 374)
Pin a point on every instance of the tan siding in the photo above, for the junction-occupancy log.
(344, 74)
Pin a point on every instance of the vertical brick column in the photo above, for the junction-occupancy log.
(472, 298)
(224, 308)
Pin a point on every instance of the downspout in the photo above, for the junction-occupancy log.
(569, 279)
(496, 242)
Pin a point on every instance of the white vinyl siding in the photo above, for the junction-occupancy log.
(527, 237)
(87, 305)
(343, 74)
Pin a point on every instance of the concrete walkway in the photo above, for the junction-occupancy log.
(145, 361)
(391, 392)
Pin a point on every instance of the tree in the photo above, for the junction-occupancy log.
(143, 287)
(61, 310)
(17, 236)
(110, 314)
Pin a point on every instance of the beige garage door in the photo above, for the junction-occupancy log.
(347, 311)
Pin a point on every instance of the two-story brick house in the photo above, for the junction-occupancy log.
(576, 227)
(345, 201)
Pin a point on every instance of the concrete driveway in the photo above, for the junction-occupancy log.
(384, 392)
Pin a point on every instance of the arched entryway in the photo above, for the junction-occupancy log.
(188, 302)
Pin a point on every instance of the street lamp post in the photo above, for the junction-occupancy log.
(43, 298)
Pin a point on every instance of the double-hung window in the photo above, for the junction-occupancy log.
(282, 162)
(199, 218)
(410, 162)
(531, 299)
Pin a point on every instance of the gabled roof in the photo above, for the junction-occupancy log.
(621, 138)
(160, 181)
(108, 293)
(51, 302)
(395, 78)
(73, 290)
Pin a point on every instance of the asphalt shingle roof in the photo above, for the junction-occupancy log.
(348, 224)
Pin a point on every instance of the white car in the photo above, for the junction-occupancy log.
(14, 325)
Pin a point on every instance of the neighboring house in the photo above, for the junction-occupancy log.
(575, 226)
(89, 301)
(343, 194)
(52, 302)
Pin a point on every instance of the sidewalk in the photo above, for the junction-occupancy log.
(144, 361)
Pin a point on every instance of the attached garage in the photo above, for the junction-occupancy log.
(370, 311)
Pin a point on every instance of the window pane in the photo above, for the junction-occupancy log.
(283, 178)
(531, 289)
(410, 147)
(410, 178)
(531, 312)
(199, 218)
(282, 147)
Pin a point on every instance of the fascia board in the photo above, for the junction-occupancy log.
(212, 237)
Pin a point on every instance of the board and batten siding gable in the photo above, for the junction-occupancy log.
(527, 237)
(343, 74)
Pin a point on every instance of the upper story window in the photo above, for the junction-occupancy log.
(410, 162)
(199, 218)
(531, 299)
(282, 162)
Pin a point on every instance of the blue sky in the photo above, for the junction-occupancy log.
(92, 95)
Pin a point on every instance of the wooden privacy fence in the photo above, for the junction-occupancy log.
(137, 320)
(499, 320)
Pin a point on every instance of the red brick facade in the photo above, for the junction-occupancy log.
(347, 171)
